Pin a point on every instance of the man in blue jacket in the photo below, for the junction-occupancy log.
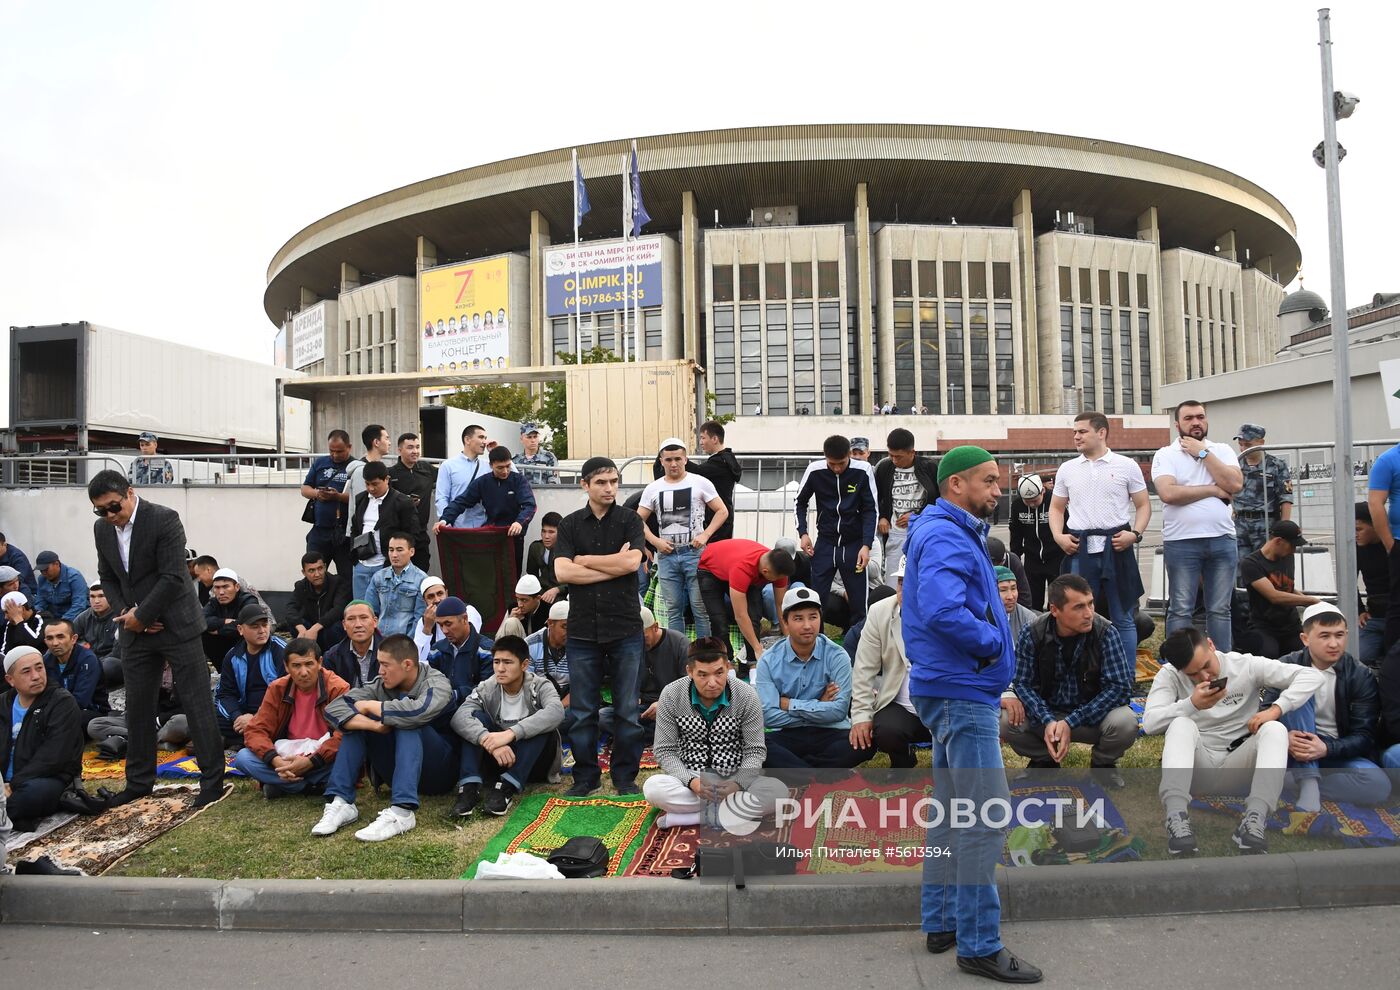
(958, 641)
(76, 669)
(258, 659)
(60, 591)
(506, 497)
(845, 522)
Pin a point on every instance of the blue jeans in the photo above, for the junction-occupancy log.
(527, 754)
(1123, 619)
(607, 722)
(1355, 780)
(1213, 560)
(680, 583)
(1371, 641)
(359, 581)
(960, 891)
(589, 662)
(255, 768)
(415, 761)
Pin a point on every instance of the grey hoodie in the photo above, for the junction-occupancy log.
(544, 709)
(412, 709)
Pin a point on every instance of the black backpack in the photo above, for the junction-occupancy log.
(582, 856)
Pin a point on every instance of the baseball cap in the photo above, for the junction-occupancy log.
(786, 543)
(1250, 431)
(147, 437)
(802, 597)
(528, 585)
(1321, 608)
(8, 574)
(648, 618)
(899, 571)
(18, 654)
(860, 443)
(251, 613)
(671, 442)
(431, 581)
(45, 558)
(1288, 530)
(226, 574)
(559, 610)
(527, 428)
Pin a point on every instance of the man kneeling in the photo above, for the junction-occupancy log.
(513, 717)
(290, 745)
(709, 743)
(387, 723)
(1208, 705)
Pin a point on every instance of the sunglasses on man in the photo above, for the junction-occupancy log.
(110, 509)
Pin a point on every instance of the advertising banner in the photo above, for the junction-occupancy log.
(604, 276)
(309, 336)
(464, 316)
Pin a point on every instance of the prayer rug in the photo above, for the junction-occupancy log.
(95, 845)
(665, 849)
(96, 768)
(183, 766)
(1035, 805)
(605, 759)
(479, 566)
(1356, 826)
(542, 823)
(853, 826)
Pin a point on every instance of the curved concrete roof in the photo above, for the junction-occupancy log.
(916, 173)
(1302, 301)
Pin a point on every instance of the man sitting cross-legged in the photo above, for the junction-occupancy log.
(1335, 730)
(388, 723)
(1208, 705)
(514, 718)
(290, 745)
(1074, 680)
(881, 713)
(41, 738)
(258, 659)
(709, 743)
(804, 683)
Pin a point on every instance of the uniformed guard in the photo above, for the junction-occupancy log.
(149, 469)
(533, 453)
(1267, 495)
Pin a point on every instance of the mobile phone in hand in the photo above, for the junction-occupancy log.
(1218, 684)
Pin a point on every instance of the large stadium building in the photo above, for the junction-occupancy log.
(823, 270)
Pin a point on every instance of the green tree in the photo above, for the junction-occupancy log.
(710, 400)
(554, 410)
(512, 402)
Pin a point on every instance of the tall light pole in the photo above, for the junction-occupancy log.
(1336, 104)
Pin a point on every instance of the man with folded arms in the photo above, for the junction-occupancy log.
(290, 746)
(388, 724)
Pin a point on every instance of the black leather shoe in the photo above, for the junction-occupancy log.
(1002, 967)
(209, 793)
(121, 797)
(939, 942)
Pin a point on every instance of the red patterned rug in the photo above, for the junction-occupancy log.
(667, 849)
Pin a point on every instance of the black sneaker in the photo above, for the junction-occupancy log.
(1181, 840)
(625, 787)
(1250, 836)
(468, 796)
(499, 798)
(582, 788)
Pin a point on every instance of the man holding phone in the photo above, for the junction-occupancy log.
(1207, 703)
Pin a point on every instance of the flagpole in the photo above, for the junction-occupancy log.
(626, 230)
(636, 288)
(578, 318)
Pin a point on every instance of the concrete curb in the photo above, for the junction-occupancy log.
(785, 905)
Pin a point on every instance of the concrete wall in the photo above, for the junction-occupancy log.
(376, 331)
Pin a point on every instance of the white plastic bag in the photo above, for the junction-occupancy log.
(289, 748)
(518, 866)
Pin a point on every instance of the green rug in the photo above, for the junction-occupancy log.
(542, 822)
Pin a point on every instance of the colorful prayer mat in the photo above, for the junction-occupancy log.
(172, 765)
(542, 823)
(183, 766)
(853, 826)
(1138, 705)
(605, 759)
(665, 849)
(95, 845)
(1354, 825)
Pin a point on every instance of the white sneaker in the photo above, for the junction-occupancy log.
(391, 822)
(338, 813)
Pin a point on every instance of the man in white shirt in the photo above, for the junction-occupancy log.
(1196, 480)
(1218, 738)
(678, 500)
(1108, 512)
(376, 441)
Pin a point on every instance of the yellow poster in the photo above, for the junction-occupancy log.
(464, 316)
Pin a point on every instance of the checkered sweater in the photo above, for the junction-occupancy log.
(730, 746)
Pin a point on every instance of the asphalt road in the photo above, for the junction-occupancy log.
(1352, 948)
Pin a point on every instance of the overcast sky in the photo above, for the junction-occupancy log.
(156, 155)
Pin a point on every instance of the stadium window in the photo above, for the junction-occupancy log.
(748, 283)
(1142, 296)
(902, 278)
(723, 278)
(928, 280)
(802, 280)
(1086, 289)
(1001, 279)
(828, 280)
(775, 280)
(976, 280)
(1066, 291)
(1123, 290)
(952, 280)
(1105, 281)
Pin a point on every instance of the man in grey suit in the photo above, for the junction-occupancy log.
(141, 563)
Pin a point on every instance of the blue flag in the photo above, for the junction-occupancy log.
(580, 196)
(640, 217)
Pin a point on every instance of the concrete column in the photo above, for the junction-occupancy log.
(1149, 230)
(539, 321)
(427, 254)
(690, 277)
(865, 287)
(349, 277)
(1147, 227)
(1225, 246)
(1265, 264)
(308, 298)
(1026, 342)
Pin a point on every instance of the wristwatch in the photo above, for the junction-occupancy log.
(1205, 452)
(1138, 534)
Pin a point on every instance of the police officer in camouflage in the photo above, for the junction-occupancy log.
(148, 469)
(534, 454)
(1267, 496)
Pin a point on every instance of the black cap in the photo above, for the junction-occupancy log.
(596, 464)
(1286, 529)
(252, 613)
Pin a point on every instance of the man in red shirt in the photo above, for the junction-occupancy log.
(740, 569)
